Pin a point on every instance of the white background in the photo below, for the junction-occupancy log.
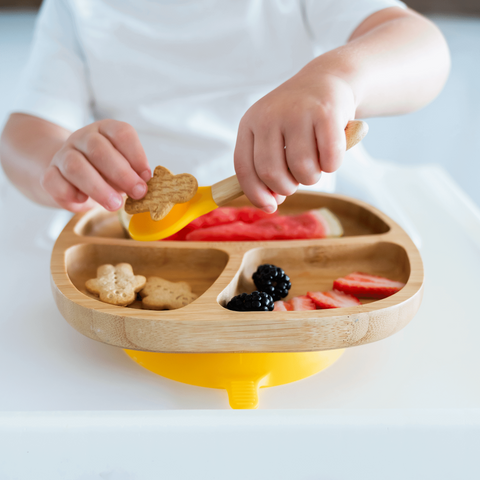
(445, 132)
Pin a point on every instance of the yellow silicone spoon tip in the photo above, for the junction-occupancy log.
(143, 228)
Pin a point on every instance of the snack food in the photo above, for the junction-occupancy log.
(251, 302)
(222, 216)
(116, 285)
(160, 294)
(281, 306)
(318, 223)
(164, 191)
(301, 303)
(273, 284)
(333, 299)
(363, 285)
(272, 280)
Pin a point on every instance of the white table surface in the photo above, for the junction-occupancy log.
(404, 407)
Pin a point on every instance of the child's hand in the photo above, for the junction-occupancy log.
(100, 161)
(307, 115)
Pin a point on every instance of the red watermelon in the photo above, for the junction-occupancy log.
(319, 223)
(221, 216)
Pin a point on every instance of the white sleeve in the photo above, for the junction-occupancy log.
(332, 22)
(54, 84)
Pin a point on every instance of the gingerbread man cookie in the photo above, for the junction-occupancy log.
(160, 294)
(164, 191)
(116, 285)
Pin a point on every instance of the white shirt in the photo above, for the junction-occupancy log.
(182, 73)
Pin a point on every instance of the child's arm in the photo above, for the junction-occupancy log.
(54, 167)
(396, 61)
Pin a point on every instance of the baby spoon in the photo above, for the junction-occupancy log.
(142, 227)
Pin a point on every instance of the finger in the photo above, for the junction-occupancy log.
(279, 198)
(252, 186)
(331, 142)
(270, 164)
(79, 207)
(111, 164)
(302, 153)
(125, 139)
(77, 170)
(62, 191)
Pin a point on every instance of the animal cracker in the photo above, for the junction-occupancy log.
(160, 294)
(164, 191)
(116, 285)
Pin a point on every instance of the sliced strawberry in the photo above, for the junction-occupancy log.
(333, 299)
(302, 303)
(281, 306)
(363, 285)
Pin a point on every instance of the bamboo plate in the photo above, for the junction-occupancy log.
(217, 271)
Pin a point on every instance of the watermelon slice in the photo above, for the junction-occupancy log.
(301, 303)
(221, 216)
(333, 299)
(363, 285)
(281, 306)
(319, 223)
(252, 215)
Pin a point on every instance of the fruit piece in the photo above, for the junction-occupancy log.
(319, 223)
(281, 306)
(333, 299)
(363, 285)
(253, 302)
(252, 214)
(302, 302)
(272, 280)
(333, 227)
(221, 216)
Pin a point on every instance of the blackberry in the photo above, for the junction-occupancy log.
(272, 280)
(253, 302)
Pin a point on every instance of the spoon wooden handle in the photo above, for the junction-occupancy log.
(226, 190)
(229, 189)
(355, 131)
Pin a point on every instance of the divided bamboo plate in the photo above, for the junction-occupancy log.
(207, 345)
(217, 271)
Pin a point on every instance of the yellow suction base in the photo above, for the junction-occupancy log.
(241, 374)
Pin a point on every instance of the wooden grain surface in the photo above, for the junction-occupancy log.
(226, 190)
(373, 243)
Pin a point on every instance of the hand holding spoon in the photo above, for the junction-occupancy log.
(142, 227)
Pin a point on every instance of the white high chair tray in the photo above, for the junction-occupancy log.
(76, 409)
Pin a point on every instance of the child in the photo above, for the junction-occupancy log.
(199, 86)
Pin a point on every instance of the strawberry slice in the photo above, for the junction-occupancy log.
(281, 306)
(302, 302)
(363, 285)
(333, 299)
